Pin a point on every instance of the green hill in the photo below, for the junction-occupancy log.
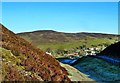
(48, 38)
(59, 42)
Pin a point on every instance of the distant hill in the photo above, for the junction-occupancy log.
(53, 39)
(21, 61)
(61, 36)
(112, 50)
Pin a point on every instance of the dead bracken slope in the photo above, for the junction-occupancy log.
(35, 63)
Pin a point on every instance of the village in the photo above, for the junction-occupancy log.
(76, 52)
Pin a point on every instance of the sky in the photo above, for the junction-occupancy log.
(98, 17)
(60, 0)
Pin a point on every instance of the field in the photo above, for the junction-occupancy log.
(76, 43)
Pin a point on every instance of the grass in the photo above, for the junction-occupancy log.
(99, 69)
(75, 43)
(76, 75)
(10, 59)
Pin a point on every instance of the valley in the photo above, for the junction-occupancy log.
(42, 63)
(83, 51)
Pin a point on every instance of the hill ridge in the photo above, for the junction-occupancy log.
(65, 32)
(52, 39)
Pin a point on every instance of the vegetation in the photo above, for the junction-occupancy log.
(112, 50)
(74, 44)
(76, 75)
(98, 69)
(8, 61)
(59, 43)
(24, 62)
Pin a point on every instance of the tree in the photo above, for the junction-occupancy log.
(48, 50)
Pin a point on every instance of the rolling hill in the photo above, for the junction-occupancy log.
(52, 36)
(52, 39)
(21, 61)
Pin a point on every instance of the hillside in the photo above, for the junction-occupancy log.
(54, 40)
(21, 61)
(112, 50)
(61, 44)
(76, 75)
(50, 34)
(99, 70)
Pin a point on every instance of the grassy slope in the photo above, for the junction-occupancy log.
(65, 42)
(75, 43)
(76, 75)
(100, 70)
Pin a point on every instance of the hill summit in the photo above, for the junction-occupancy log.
(43, 35)
(21, 61)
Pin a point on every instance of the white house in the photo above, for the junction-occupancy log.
(48, 53)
